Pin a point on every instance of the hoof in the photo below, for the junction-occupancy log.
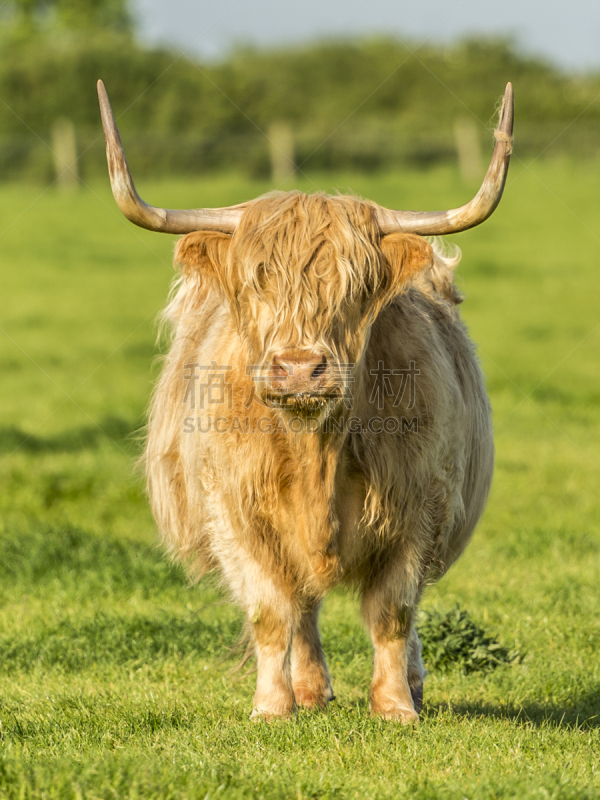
(407, 716)
(306, 698)
(313, 689)
(261, 715)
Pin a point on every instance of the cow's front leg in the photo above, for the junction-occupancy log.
(310, 678)
(272, 613)
(397, 685)
(272, 632)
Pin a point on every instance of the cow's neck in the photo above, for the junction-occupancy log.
(310, 500)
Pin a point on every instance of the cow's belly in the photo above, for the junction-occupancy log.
(355, 542)
(441, 524)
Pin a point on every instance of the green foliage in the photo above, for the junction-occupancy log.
(367, 105)
(453, 640)
(36, 20)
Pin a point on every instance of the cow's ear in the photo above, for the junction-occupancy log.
(406, 254)
(202, 250)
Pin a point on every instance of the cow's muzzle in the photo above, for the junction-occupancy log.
(301, 380)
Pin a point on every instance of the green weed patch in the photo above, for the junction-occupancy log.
(452, 639)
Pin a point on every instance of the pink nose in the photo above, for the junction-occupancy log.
(295, 372)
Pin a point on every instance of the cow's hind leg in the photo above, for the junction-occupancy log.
(310, 678)
(416, 671)
(397, 685)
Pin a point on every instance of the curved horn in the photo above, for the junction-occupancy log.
(480, 207)
(132, 205)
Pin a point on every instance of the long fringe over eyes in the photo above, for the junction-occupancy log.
(307, 257)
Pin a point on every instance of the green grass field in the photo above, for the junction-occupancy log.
(116, 677)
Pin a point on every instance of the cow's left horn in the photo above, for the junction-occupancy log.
(480, 207)
(131, 204)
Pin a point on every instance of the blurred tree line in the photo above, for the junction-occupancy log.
(370, 104)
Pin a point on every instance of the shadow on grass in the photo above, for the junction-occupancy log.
(111, 640)
(83, 437)
(583, 714)
(45, 553)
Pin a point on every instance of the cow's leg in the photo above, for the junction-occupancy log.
(310, 678)
(272, 631)
(271, 611)
(416, 671)
(398, 673)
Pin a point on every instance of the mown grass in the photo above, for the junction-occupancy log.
(117, 679)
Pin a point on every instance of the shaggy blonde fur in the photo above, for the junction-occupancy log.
(286, 515)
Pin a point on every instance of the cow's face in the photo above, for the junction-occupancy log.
(305, 276)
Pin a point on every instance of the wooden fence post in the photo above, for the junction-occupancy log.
(64, 152)
(281, 147)
(468, 148)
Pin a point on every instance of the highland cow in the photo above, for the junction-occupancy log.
(321, 418)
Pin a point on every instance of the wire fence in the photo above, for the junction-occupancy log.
(368, 147)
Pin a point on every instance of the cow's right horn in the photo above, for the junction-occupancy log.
(479, 208)
(131, 204)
